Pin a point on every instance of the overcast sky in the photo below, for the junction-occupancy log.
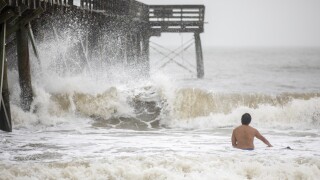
(256, 23)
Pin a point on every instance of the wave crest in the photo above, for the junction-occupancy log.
(152, 107)
(192, 103)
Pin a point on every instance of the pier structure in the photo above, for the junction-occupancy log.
(130, 24)
(180, 19)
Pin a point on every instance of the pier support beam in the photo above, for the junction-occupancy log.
(33, 43)
(145, 53)
(138, 48)
(122, 48)
(5, 116)
(199, 56)
(134, 49)
(130, 54)
(24, 68)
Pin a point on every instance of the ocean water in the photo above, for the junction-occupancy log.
(114, 124)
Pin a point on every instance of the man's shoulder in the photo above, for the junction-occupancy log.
(250, 128)
(253, 128)
(236, 128)
(245, 127)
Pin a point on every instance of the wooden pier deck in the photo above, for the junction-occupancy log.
(176, 18)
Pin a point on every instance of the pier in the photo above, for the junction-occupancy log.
(130, 24)
(180, 19)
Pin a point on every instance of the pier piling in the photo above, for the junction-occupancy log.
(24, 68)
(199, 55)
(5, 116)
(145, 52)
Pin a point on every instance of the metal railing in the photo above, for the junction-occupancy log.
(33, 4)
(130, 8)
(177, 18)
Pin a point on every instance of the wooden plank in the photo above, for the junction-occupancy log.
(138, 47)
(30, 4)
(24, 20)
(129, 50)
(158, 31)
(70, 2)
(2, 53)
(17, 13)
(6, 99)
(175, 23)
(122, 47)
(3, 4)
(6, 15)
(5, 118)
(176, 15)
(21, 9)
(33, 43)
(181, 11)
(195, 6)
(145, 53)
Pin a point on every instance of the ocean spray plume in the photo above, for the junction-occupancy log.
(75, 86)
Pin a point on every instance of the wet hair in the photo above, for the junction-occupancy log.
(246, 119)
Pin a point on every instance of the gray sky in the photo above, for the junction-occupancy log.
(256, 23)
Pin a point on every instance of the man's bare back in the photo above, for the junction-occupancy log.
(243, 136)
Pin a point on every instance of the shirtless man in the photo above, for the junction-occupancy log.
(243, 136)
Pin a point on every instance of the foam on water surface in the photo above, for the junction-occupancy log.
(160, 154)
(109, 123)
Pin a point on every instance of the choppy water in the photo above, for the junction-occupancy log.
(171, 126)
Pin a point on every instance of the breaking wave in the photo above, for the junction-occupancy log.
(155, 106)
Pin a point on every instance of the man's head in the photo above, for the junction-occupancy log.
(246, 119)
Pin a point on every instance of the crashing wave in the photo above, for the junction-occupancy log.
(150, 107)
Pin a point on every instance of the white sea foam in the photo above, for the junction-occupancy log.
(240, 166)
